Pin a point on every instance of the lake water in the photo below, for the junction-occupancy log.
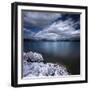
(66, 53)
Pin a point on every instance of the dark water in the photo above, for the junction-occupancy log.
(61, 52)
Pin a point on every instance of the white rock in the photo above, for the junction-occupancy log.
(32, 57)
(41, 69)
(37, 57)
(36, 67)
(25, 57)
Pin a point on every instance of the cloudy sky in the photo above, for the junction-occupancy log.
(51, 25)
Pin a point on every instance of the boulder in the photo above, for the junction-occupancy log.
(33, 65)
(42, 69)
(32, 57)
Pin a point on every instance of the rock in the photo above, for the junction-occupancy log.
(33, 66)
(37, 57)
(42, 69)
(32, 57)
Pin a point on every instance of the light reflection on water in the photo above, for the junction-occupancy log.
(54, 48)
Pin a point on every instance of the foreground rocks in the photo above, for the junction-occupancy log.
(32, 57)
(33, 66)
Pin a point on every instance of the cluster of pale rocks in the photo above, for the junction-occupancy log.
(34, 66)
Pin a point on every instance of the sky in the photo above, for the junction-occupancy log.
(51, 25)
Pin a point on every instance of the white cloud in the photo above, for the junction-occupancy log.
(51, 28)
(59, 30)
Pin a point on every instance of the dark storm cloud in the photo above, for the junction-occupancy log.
(39, 19)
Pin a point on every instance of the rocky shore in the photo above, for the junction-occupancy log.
(34, 66)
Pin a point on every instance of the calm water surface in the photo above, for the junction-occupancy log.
(61, 52)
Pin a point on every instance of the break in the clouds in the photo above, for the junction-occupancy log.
(28, 33)
(51, 26)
